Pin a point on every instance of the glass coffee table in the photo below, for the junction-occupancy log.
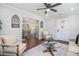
(50, 46)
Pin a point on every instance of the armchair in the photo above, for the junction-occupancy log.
(11, 46)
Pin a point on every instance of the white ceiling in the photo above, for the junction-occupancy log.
(64, 10)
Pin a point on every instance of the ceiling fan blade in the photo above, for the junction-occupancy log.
(56, 4)
(47, 5)
(53, 10)
(41, 8)
(45, 12)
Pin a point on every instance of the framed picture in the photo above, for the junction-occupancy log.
(41, 24)
(15, 21)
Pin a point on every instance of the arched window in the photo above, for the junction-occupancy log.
(15, 21)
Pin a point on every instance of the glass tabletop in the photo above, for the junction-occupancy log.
(49, 44)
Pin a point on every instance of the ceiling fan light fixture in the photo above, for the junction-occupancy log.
(48, 9)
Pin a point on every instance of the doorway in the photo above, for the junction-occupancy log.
(30, 32)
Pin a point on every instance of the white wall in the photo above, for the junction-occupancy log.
(50, 26)
(69, 31)
(71, 26)
(6, 13)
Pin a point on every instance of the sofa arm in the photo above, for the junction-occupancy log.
(8, 45)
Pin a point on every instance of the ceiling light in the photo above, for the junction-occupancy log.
(48, 9)
(72, 9)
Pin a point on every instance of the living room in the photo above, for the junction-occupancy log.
(62, 26)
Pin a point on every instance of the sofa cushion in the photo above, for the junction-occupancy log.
(9, 39)
(10, 49)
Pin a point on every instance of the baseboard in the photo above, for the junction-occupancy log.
(62, 41)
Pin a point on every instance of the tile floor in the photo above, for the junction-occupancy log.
(38, 51)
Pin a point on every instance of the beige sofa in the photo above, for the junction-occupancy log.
(11, 46)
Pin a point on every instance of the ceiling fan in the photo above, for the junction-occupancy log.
(48, 6)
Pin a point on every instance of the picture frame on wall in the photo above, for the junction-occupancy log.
(41, 24)
(15, 21)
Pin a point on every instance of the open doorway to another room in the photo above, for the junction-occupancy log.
(30, 32)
